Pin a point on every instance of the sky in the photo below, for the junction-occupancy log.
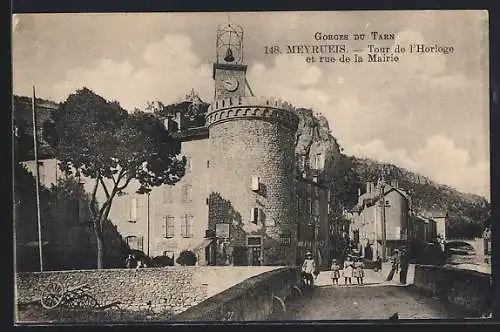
(428, 113)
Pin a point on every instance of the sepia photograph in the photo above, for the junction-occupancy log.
(190, 167)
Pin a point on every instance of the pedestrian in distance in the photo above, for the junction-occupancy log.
(395, 265)
(347, 272)
(359, 271)
(404, 262)
(335, 272)
(129, 261)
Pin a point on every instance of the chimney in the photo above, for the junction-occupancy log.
(368, 187)
(394, 183)
(359, 192)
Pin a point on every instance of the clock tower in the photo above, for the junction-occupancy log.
(228, 70)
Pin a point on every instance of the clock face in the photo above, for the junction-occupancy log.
(230, 84)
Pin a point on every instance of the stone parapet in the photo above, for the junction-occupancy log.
(252, 107)
(469, 289)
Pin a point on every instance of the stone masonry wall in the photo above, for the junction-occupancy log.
(167, 289)
(246, 147)
(470, 289)
(254, 299)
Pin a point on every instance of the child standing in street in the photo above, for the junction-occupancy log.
(335, 274)
(347, 272)
(359, 271)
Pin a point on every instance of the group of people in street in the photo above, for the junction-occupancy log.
(352, 268)
(399, 263)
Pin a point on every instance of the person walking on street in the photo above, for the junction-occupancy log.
(335, 274)
(405, 262)
(308, 268)
(395, 265)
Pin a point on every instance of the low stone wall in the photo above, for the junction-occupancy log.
(254, 299)
(470, 289)
(159, 289)
(170, 289)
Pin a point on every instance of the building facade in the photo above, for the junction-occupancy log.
(241, 201)
(380, 220)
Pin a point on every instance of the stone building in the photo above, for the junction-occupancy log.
(380, 219)
(241, 201)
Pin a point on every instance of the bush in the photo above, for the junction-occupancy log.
(187, 257)
(162, 261)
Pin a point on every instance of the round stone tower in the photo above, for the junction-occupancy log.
(252, 178)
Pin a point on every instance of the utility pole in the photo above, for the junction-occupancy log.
(37, 180)
(384, 226)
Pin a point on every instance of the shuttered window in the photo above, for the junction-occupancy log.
(169, 226)
(187, 226)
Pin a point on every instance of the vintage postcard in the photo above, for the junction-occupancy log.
(251, 166)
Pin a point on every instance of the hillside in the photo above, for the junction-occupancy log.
(467, 213)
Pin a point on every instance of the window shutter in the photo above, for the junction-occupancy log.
(255, 183)
(133, 209)
(183, 226)
(163, 227)
(255, 215)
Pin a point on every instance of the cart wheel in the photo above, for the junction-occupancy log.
(82, 301)
(52, 295)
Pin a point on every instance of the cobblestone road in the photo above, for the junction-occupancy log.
(378, 299)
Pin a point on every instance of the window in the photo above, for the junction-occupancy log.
(302, 162)
(187, 226)
(253, 241)
(133, 209)
(315, 210)
(134, 242)
(186, 193)
(285, 239)
(169, 254)
(255, 183)
(318, 161)
(168, 195)
(254, 215)
(169, 226)
(208, 163)
(41, 172)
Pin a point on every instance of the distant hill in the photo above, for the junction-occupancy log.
(468, 213)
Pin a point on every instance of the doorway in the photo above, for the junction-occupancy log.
(254, 256)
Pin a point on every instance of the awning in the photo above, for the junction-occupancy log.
(205, 243)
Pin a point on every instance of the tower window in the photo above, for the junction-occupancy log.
(254, 215)
(255, 183)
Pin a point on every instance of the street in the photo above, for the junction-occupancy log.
(377, 299)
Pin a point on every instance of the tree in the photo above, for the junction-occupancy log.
(98, 139)
(187, 257)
